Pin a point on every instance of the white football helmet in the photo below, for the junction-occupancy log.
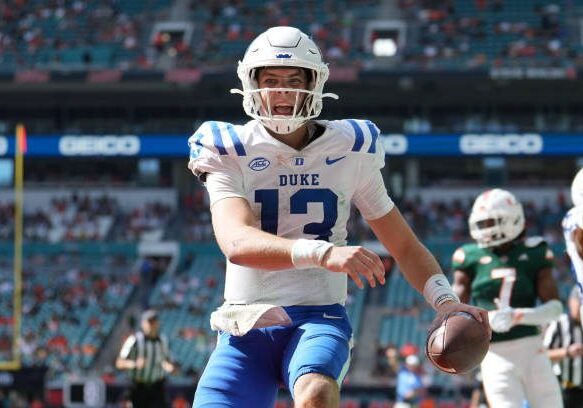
(577, 189)
(283, 47)
(497, 217)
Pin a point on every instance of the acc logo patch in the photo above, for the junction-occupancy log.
(259, 163)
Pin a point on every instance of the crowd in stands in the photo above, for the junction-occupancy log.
(484, 33)
(67, 34)
(121, 34)
(229, 27)
(81, 217)
(70, 304)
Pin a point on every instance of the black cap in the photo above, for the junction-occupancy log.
(149, 315)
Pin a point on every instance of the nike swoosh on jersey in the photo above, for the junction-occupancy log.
(332, 161)
(327, 316)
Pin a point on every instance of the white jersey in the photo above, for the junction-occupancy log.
(294, 194)
(573, 220)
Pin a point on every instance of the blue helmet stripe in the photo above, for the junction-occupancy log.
(218, 139)
(359, 141)
(375, 134)
(236, 141)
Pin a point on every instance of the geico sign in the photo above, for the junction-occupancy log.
(395, 144)
(3, 145)
(528, 143)
(108, 145)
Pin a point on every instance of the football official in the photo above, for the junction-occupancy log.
(146, 355)
(564, 339)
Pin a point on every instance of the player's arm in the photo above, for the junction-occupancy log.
(418, 265)
(124, 361)
(462, 285)
(553, 339)
(571, 351)
(505, 318)
(243, 243)
(549, 310)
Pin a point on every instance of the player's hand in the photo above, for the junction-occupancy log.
(447, 308)
(356, 261)
(169, 367)
(504, 318)
(575, 350)
(140, 363)
(501, 320)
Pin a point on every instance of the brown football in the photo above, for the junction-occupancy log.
(458, 344)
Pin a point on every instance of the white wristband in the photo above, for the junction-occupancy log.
(437, 291)
(309, 253)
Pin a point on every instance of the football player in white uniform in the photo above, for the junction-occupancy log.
(573, 230)
(280, 189)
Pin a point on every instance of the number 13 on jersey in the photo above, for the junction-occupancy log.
(269, 200)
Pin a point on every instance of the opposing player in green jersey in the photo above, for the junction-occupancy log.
(508, 274)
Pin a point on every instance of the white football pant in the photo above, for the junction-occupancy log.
(518, 370)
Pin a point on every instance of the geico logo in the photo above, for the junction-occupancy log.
(3, 145)
(528, 143)
(99, 145)
(395, 144)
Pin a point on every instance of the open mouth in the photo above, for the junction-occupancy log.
(286, 110)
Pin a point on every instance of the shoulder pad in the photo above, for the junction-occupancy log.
(532, 242)
(366, 135)
(218, 137)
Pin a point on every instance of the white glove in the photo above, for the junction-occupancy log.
(501, 320)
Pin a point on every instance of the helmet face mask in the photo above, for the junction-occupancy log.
(496, 218)
(284, 47)
(577, 189)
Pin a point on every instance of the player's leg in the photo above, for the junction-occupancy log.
(316, 390)
(318, 355)
(541, 386)
(500, 377)
(240, 373)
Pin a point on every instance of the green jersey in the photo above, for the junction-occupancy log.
(510, 277)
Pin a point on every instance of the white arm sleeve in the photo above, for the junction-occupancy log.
(127, 347)
(224, 184)
(371, 197)
(545, 313)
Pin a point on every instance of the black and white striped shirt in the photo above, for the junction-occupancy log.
(560, 334)
(153, 350)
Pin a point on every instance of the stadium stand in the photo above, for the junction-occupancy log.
(77, 36)
(452, 34)
(71, 301)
